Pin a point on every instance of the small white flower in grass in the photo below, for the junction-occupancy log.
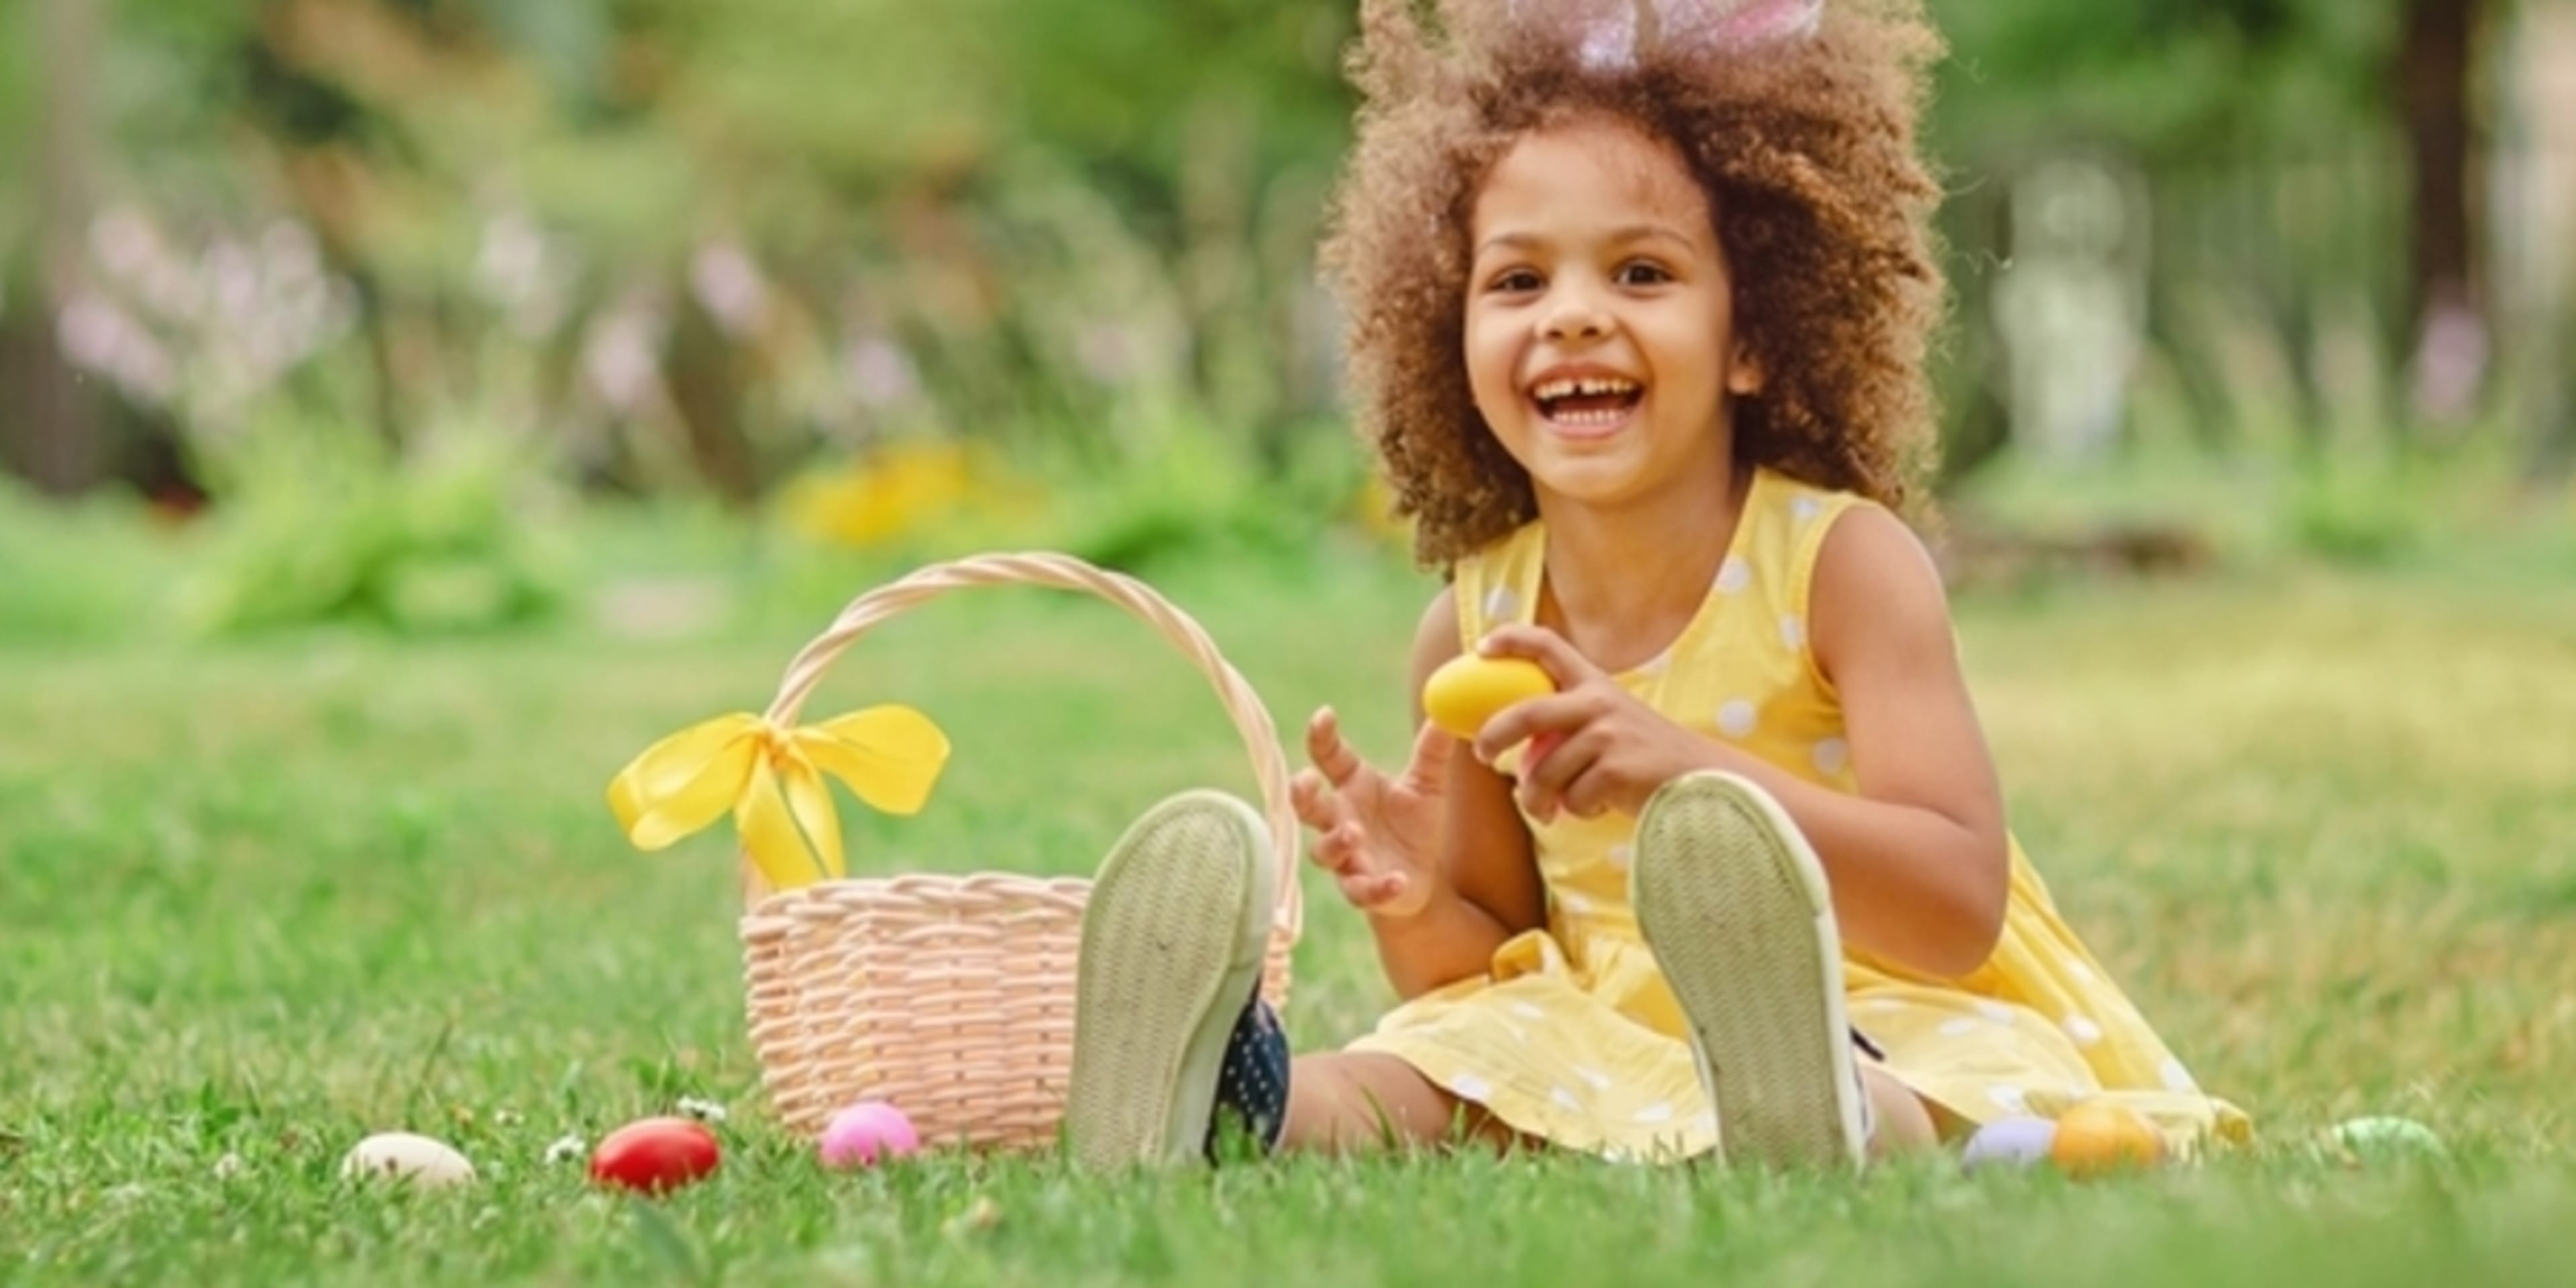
(567, 1149)
(705, 1111)
(506, 1118)
(230, 1166)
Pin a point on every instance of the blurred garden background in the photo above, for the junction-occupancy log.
(360, 302)
(411, 409)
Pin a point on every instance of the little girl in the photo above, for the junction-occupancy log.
(1640, 295)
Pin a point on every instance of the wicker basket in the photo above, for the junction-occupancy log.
(952, 996)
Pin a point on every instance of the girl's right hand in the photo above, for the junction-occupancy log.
(1378, 836)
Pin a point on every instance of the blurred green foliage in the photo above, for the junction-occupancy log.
(2173, 79)
(326, 528)
(679, 250)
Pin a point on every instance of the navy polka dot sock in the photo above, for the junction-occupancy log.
(1252, 1091)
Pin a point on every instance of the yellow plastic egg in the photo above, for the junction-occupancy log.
(2097, 1137)
(1469, 689)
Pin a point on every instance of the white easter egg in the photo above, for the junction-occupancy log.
(427, 1163)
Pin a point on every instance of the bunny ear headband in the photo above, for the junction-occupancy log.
(1631, 30)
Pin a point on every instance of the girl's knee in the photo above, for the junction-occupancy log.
(1900, 1122)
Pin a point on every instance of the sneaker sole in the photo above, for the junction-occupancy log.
(1174, 934)
(1736, 909)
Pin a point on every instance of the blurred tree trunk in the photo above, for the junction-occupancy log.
(326, 140)
(707, 390)
(54, 439)
(324, 181)
(2435, 58)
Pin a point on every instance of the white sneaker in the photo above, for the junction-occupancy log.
(1174, 934)
(1735, 906)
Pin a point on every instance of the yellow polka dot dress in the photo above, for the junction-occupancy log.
(1573, 1037)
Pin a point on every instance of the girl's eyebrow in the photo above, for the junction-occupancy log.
(1648, 232)
(1620, 236)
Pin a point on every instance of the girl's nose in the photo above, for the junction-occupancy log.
(1575, 318)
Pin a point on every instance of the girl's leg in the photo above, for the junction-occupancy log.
(1346, 1102)
(1735, 907)
(1172, 1050)
(1900, 1122)
(1166, 1028)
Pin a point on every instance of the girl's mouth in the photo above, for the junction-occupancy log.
(1587, 406)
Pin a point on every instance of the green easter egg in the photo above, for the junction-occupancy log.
(2385, 1135)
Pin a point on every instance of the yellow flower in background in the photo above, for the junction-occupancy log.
(887, 493)
(773, 780)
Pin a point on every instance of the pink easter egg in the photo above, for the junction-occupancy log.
(866, 1133)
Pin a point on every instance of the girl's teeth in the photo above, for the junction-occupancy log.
(1589, 419)
(1569, 388)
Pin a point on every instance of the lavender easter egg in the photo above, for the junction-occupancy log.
(2014, 1142)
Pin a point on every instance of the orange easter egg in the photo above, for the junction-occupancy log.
(2098, 1137)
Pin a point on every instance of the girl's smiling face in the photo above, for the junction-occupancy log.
(1600, 332)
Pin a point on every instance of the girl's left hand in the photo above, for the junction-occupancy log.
(1594, 747)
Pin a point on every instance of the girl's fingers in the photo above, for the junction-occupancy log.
(1543, 784)
(1315, 805)
(1342, 850)
(1325, 747)
(1429, 767)
(1366, 892)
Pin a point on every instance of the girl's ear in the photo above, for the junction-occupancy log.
(1743, 373)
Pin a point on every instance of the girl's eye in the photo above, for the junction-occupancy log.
(1515, 281)
(1641, 273)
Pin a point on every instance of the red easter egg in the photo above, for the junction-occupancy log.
(655, 1155)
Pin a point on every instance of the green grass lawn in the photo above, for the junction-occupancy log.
(259, 900)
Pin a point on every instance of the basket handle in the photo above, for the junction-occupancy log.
(1251, 719)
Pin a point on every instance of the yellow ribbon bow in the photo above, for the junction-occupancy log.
(772, 778)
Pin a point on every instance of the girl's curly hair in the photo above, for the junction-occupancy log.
(1806, 145)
